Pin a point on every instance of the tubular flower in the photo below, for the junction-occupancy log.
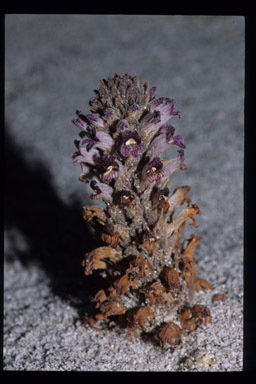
(150, 124)
(165, 139)
(95, 119)
(154, 170)
(145, 263)
(166, 108)
(174, 164)
(131, 144)
(85, 156)
(80, 121)
(173, 139)
(100, 139)
(100, 190)
(111, 168)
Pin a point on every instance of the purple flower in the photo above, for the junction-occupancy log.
(131, 144)
(150, 123)
(84, 156)
(133, 108)
(152, 90)
(86, 172)
(165, 106)
(166, 138)
(95, 119)
(92, 138)
(122, 125)
(154, 170)
(83, 121)
(174, 164)
(112, 168)
(100, 139)
(161, 110)
(100, 190)
(173, 139)
(110, 114)
(80, 121)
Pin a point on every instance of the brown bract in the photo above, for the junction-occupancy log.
(110, 239)
(127, 198)
(202, 283)
(96, 258)
(189, 262)
(138, 267)
(219, 296)
(188, 253)
(111, 308)
(164, 204)
(141, 316)
(179, 197)
(99, 298)
(185, 214)
(94, 214)
(171, 278)
(169, 335)
(148, 241)
(156, 293)
(122, 285)
(191, 318)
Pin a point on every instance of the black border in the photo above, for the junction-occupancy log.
(249, 162)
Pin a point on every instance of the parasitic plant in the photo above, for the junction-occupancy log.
(149, 269)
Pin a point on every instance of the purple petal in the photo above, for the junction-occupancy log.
(152, 90)
(158, 145)
(156, 103)
(156, 163)
(137, 149)
(153, 170)
(135, 152)
(112, 168)
(178, 140)
(171, 138)
(80, 122)
(108, 112)
(166, 107)
(125, 151)
(122, 124)
(86, 156)
(105, 140)
(131, 144)
(150, 123)
(90, 143)
(95, 119)
(156, 176)
(174, 164)
(101, 190)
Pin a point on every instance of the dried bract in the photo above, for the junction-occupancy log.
(219, 297)
(97, 259)
(112, 308)
(169, 335)
(191, 318)
(140, 317)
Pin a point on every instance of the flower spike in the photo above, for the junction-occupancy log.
(149, 268)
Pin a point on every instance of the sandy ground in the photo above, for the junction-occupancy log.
(53, 64)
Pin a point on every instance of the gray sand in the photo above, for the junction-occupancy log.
(53, 63)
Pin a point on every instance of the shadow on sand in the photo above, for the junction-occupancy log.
(56, 233)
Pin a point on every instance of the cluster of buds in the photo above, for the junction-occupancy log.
(150, 271)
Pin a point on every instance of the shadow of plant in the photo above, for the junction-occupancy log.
(56, 233)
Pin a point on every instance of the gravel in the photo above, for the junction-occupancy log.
(53, 63)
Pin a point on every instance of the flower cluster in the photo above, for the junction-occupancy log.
(134, 124)
(120, 151)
